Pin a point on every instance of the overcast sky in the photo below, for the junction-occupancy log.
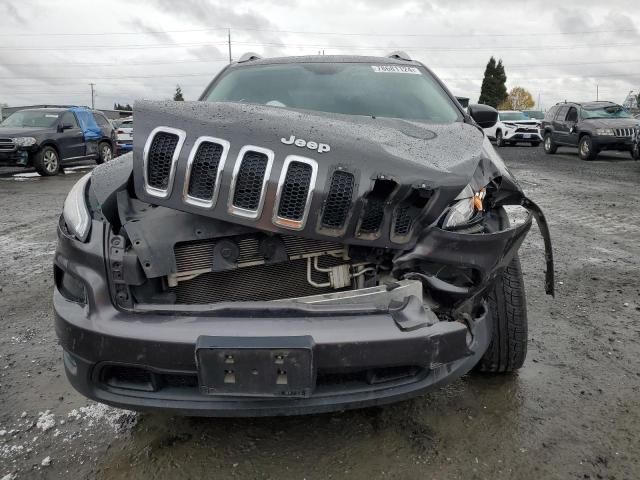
(51, 51)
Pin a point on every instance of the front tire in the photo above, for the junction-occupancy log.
(635, 152)
(508, 315)
(47, 162)
(499, 139)
(549, 145)
(105, 153)
(586, 150)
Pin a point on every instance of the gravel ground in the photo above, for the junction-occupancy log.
(573, 411)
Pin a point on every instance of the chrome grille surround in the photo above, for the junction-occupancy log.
(623, 132)
(288, 223)
(243, 212)
(199, 202)
(154, 191)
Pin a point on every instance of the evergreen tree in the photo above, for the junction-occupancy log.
(178, 95)
(494, 88)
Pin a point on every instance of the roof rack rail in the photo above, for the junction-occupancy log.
(400, 55)
(249, 57)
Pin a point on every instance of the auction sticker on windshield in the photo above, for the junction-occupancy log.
(395, 69)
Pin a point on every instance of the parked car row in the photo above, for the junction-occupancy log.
(592, 127)
(48, 138)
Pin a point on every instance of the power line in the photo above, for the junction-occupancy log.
(334, 47)
(216, 60)
(205, 74)
(350, 34)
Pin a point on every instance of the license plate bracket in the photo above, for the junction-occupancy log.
(256, 366)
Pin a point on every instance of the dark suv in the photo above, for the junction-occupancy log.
(46, 138)
(591, 126)
(317, 233)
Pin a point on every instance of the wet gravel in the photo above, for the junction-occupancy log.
(572, 412)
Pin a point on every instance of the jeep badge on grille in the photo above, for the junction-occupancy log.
(299, 142)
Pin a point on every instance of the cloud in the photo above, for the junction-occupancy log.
(455, 39)
(12, 12)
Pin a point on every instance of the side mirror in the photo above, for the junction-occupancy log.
(67, 126)
(484, 115)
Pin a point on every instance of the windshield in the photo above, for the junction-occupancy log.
(349, 88)
(607, 111)
(31, 118)
(513, 116)
(534, 114)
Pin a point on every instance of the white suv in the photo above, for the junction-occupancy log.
(514, 127)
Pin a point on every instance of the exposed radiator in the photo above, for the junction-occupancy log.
(198, 256)
(256, 283)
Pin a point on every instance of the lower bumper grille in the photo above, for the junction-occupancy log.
(7, 145)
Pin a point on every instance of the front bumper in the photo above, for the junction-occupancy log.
(18, 157)
(364, 355)
(606, 142)
(514, 135)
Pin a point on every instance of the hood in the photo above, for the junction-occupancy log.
(388, 164)
(23, 131)
(612, 122)
(521, 122)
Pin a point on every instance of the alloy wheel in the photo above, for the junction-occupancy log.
(106, 153)
(50, 161)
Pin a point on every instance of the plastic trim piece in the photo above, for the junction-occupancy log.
(159, 192)
(287, 222)
(199, 202)
(243, 212)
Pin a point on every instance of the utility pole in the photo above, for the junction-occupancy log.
(92, 95)
(538, 104)
(597, 92)
(229, 31)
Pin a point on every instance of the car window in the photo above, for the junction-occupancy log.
(395, 91)
(32, 118)
(513, 116)
(551, 113)
(101, 120)
(605, 111)
(562, 113)
(127, 124)
(572, 116)
(68, 118)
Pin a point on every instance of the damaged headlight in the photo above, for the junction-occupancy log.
(465, 205)
(24, 141)
(75, 211)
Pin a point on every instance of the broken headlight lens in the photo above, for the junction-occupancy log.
(75, 212)
(465, 205)
(24, 141)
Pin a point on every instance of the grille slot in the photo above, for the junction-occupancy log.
(404, 221)
(6, 145)
(409, 210)
(295, 191)
(258, 283)
(160, 155)
(375, 202)
(206, 163)
(250, 177)
(336, 208)
(623, 132)
(373, 216)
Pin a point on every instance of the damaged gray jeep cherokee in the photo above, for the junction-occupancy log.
(314, 234)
